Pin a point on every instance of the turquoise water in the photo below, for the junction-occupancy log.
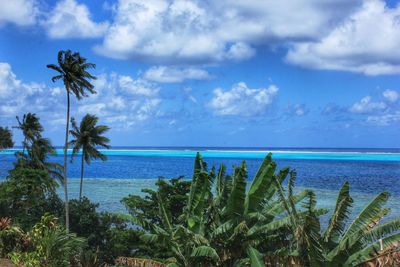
(110, 192)
(128, 170)
(256, 154)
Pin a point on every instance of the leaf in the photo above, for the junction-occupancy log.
(205, 251)
(256, 258)
(262, 187)
(359, 226)
(235, 205)
(371, 251)
(278, 207)
(220, 179)
(382, 230)
(338, 219)
(366, 216)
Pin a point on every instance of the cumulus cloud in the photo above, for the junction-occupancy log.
(384, 119)
(14, 93)
(298, 110)
(19, 12)
(366, 105)
(391, 95)
(367, 42)
(242, 100)
(72, 20)
(174, 31)
(164, 74)
(138, 100)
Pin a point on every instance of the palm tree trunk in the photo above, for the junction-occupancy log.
(24, 146)
(65, 164)
(83, 165)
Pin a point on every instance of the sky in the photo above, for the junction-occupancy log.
(254, 73)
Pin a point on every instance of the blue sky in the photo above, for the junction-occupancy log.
(304, 73)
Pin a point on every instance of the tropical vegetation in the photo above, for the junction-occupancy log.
(5, 138)
(214, 219)
(72, 69)
(88, 137)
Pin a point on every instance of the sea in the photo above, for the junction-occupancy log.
(128, 170)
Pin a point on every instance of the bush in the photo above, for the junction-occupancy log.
(51, 245)
(27, 194)
(106, 233)
(11, 237)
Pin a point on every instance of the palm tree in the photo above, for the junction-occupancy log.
(36, 148)
(72, 70)
(88, 136)
(31, 128)
(5, 138)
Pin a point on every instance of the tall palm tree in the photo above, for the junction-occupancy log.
(72, 70)
(5, 138)
(31, 128)
(88, 136)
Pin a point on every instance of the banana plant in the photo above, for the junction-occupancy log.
(187, 247)
(254, 218)
(365, 237)
(342, 243)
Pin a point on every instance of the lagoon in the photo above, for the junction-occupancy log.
(128, 170)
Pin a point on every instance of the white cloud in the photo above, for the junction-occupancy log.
(72, 20)
(95, 108)
(14, 93)
(367, 42)
(242, 100)
(297, 110)
(18, 97)
(385, 119)
(366, 105)
(19, 12)
(164, 74)
(137, 99)
(8, 81)
(137, 87)
(391, 95)
(174, 31)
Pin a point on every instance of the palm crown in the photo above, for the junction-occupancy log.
(88, 136)
(30, 127)
(72, 69)
(5, 138)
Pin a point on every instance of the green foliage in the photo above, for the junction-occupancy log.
(174, 192)
(216, 227)
(11, 237)
(230, 226)
(364, 237)
(36, 149)
(72, 69)
(106, 233)
(88, 138)
(51, 245)
(5, 138)
(30, 127)
(27, 194)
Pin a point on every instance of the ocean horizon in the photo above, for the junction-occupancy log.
(128, 170)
